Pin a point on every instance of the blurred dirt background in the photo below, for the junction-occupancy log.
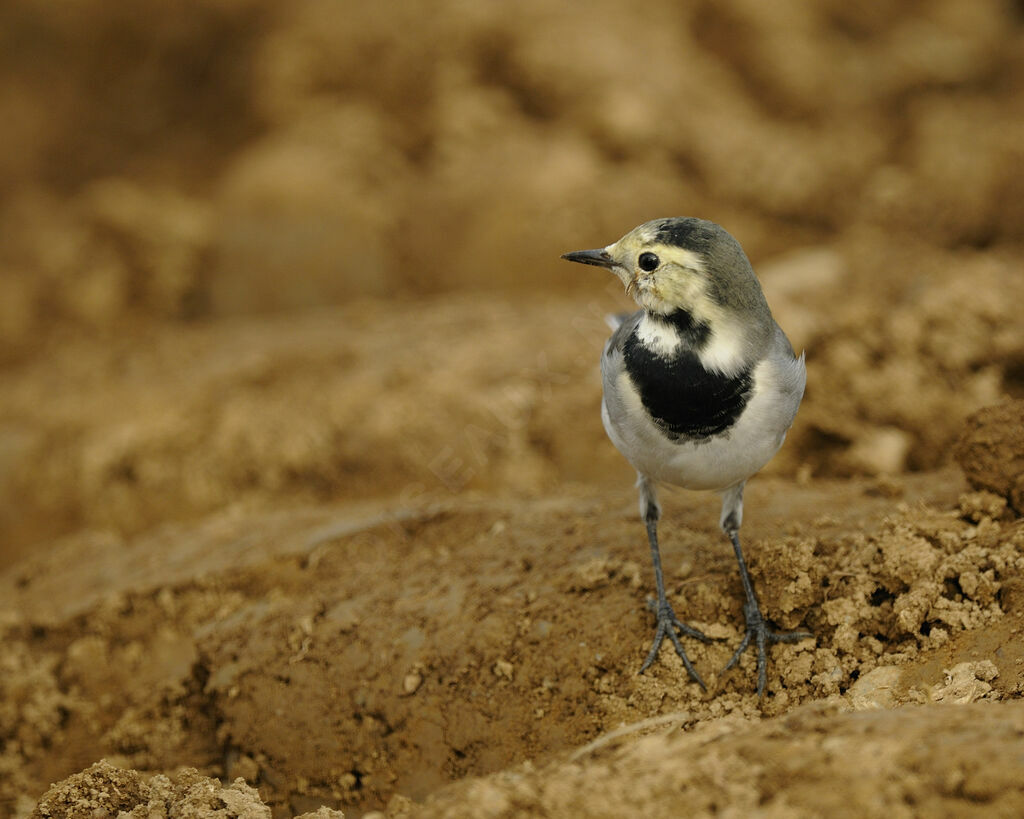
(305, 504)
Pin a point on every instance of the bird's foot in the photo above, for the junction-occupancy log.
(761, 636)
(668, 626)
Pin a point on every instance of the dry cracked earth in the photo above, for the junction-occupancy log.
(305, 504)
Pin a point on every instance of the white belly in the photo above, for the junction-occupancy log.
(715, 463)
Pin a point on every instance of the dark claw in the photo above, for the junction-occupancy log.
(758, 631)
(689, 631)
(668, 624)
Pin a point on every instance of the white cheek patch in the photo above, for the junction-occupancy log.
(688, 259)
(724, 350)
(657, 336)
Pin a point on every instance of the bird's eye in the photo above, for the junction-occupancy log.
(648, 261)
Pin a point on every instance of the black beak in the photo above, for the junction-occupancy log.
(598, 258)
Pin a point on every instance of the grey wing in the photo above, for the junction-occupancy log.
(791, 372)
(612, 363)
(611, 357)
(626, 324)
(613, 320)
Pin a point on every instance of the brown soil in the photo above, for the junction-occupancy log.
(991, 451)
(305, 503)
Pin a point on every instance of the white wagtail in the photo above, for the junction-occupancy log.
(700, 387)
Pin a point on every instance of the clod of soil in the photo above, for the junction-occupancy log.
(104, 790)
(991, 451)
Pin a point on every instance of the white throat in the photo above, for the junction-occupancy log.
(660, 337)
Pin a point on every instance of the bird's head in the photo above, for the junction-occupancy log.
(683, 263)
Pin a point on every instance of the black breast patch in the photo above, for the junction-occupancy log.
(685, 400)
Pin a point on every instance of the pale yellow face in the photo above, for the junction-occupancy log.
(662, 277)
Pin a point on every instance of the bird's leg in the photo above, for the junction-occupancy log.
(757, 631)
(667, 622)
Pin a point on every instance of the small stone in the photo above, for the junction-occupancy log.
(875, 690)
(881, 451)
(503, 668)
(965, 682)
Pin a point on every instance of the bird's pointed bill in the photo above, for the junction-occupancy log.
(598, 257)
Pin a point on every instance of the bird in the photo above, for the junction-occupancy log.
(700, 387)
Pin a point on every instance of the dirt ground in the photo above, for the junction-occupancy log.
(305, 503)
